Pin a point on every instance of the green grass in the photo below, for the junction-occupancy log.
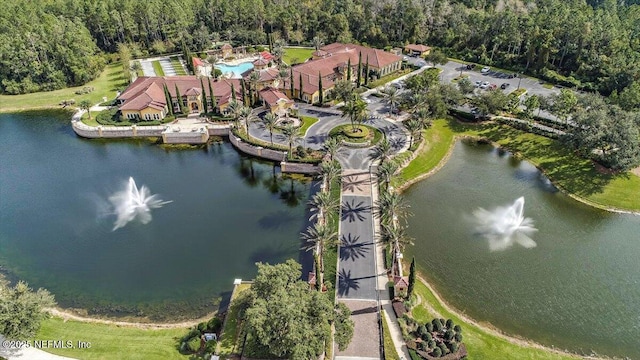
(177, 66)
(331, 253)
(518, 92)
(157, 68)
(575, 175)
(106, 85)
(480, 343)
(547, 86)
(307, 121)
(370, 134)
(111, 341)
(91, 122)
(296, 55)
(390, 352)
(229, 337)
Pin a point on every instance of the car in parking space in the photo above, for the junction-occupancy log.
(493, 86)
(504, 86)
(484, 85)
(485, 70)
(397, 85)
(471, 66)
(478, 83)
(405, 58)
(366, 99)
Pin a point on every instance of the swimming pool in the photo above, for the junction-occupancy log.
(237, 70)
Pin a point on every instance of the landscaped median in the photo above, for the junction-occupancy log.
(576, 176)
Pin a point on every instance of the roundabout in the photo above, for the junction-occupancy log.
(356, 135)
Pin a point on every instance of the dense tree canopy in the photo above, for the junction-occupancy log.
(22, 310)
(593, 44)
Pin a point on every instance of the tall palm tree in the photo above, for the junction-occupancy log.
(396, 236)
(247, 116)
(414, 126)
(323, 203)
(391, 97)
(390, 207)
(283, 74)
(292, 134)
(422, 114)
(86, 105)
(386, 171)
(278, 49)
(234, 108)
(270, 120)
(317, 42)
(331, 146)
(356, 110)
(317, 238)
(330, 170)
(254, 79)
(382, 151)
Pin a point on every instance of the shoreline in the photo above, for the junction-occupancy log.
(492, 330)
(67, 315)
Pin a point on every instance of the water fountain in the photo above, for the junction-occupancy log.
(505, 226)
(132, 203)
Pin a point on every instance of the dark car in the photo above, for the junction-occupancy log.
(504, 86)
(471, 66)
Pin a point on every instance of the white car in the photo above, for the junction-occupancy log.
(478, 83)
(484, 85)
(485, 70)
(367, 100)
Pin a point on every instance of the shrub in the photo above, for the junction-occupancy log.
(431, 344)
(422, 331)
(214, 325)
(437, 325)
(422, 346)
(429, 327)
(443, 348)
(210, 346)
(453, 347)
(448, 335)
(457, 329)
(458, 337)
(449, 323)
(436, 352)
(194, 344)
(427, 337)
(202, 327)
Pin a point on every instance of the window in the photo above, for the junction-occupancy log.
(156, 116)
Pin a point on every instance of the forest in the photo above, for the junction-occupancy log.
(592, 45)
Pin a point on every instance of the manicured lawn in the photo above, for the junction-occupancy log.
(177, 66)
(113, 342)
(105, 85)
(568, 171)
(480, 343)
(386, 79)
(91, 122)
(296, 55)
(390, 352)
(232, 325)
(331, 253)
(157, 68)
(307, 121)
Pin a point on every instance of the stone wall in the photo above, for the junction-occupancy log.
(299, 168)
(257, 151)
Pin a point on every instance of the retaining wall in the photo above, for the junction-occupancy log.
(257, 151)
(299, 168)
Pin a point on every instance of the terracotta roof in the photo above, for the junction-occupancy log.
(260, 62)
(319, 53)
(417, 47)
(147, 91)
(268, 74)
(266, 55)
(197, 62)
(377, 58)
(227, 46)
(400, 280)
(272, 96)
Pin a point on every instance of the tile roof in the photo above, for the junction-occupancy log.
(272, 96)
(417, 47)
(147, 91)
(197, 62)
(266, 55)
(377, 58)
(260, 62)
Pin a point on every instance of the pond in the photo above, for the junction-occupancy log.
(226, 213)
(576, 286)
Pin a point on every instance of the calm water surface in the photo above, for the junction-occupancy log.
(227, 212)
(578, 289)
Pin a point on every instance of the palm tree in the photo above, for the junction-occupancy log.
(135, 67)
(317, 239)
(247, 116)
(322, 203)
(86, 105)
(317, 42)
(414, 126)
(356, 110)
(386, 171)
(396, 236)
(382, 151)
(270, 120)
(331, 146)
(254, 79)
(391, 97)
(278, 49)
(390, 207)
(422, 114)
(330, 170)
(292, 135)
(234, 108)
(283, 73)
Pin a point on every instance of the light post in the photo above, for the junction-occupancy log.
(519, 81)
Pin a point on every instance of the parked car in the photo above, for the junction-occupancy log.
(484, 85)
(514, 75)
(471, 66)
(397, 85)
(493, 86)
(367, 100)
(504, 86)
(478, 83)
(405, 58)
(485, 70)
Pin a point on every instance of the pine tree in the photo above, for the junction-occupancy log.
(366, 71)
(180, 104)
(300, 94)
(212, 97)
(349, 70)
(244, 93)
(168, 99)
(269, 38)
(321, 92)
(291, 83)
(359, 70)
(233, 96)
(412, 277)
(205, 108)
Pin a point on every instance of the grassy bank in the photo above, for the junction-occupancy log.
(229, 338)
(112, 341)
(480, 343)
(577, 176)
(106, 85)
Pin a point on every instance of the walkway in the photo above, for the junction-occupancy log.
(28, 354)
